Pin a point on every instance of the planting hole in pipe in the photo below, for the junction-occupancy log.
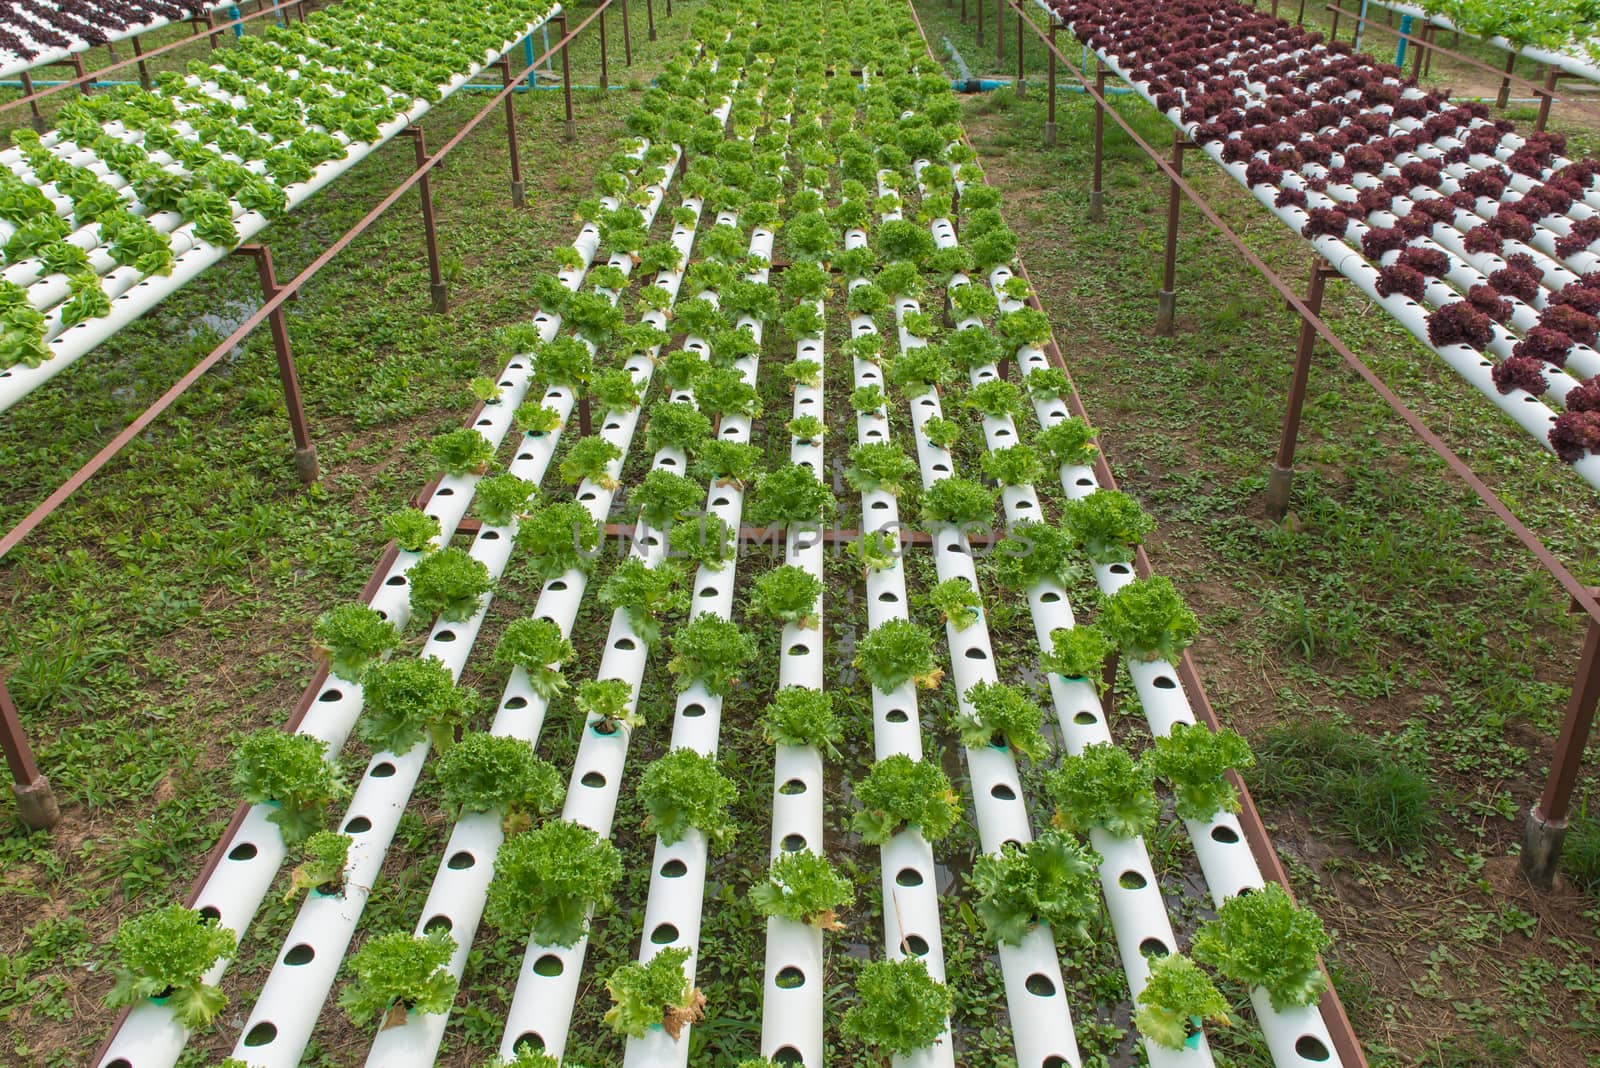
(261, 1034)
(879, 506)
(1132, 880)
(1311, 1048)
(1049, 597)
(438, 923)
(908, 877)
(593, 779)
(1154, 947)
(1085, 718)
(490, 535)
(359, 825)
(1040, 986)
(975, 653)
(916, 945)
(461, 860)
(1119, 569)
(790, 787)
(896, 715)
(548, 966)
(515, 703)
(799, 649)
(1225, 834)
(529, 1042)
(706, 591)
(889, 598)
(790, 978)
(1054, 1061)
(625, 645)
(794, 843)
(242, 851)
(674, 869)
(445, 636)
(211, 914)
(330, 695)
(1085, 482)
(664, 934)
(297, 955)
(694, 710)
(1001, 792)
(788, 1055)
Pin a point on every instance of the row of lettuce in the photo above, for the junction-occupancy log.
(552, 874)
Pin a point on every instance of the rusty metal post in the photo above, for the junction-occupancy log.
(979, 6)
(1504, 96)
(605, 75)
(1097, 195)
(33, 105)
(305, 453)
(999, 33)
(1300, 16)
(1428, 34)
(211, 24)
(1546, 98)
(1050, 92)
(36, 802)
(627, 37)
(964, 12)
(566, 79)
(650, 17)
(518, 192)
(1546, 828)
(144, 71)
(80, 71)
(1167, 299)
(1022, 84)
(1280, 478)
(1421, 44)
(1333, 31)
(436, 288)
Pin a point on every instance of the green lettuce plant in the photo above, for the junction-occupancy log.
(654, 994)
(411, 700)
(449, 583)
(1262, 939)
(412, 529)
(1149, 621)
(1108, 524)
(1051, 880)
(1195, 760)
(1000, 713)
(711, 651)
(485, 772)
(501, 499)
(539, 648)
(611, 703)
(396, 974)
(462, 452)
(801, 716)
(325, 855)
(290, 772)
(957, 601)
(1102, 786)
(685, 790)
(900, 793)
(351, 637)
(789, 594)
(804, 888)
(548, 881)
(647, 594)
(1176, 1001)
(898, 651)
(879, 465)
(901, 1009)
(164, 954)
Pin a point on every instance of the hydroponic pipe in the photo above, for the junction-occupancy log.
(1041, 1020)
(1127, 878)
(45, 56)
(791, 1000)
(674, 905)
(907, 872)
(1563, 61)
(461, 884)
(132, 294)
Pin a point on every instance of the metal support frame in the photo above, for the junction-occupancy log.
(144, 69)
(1503, 98)
(1546, 828)
(305, 453)
(650, 17)
(33, 103)
(36, 801)
(438, 294)
(979, 6)
(1167, 299)
(1022, 83)
(1280, 477)
(605, 72)
(1097, 191)
(627, 37)
(1050, 92)
(518, 191)
(566, 78)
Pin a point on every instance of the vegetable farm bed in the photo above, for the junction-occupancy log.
(134, 194)
(1473, 238)
(34, 33)
(797, 234)
(1557, 35)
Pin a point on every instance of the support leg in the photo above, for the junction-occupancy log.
(305, 453)
(80, 71)
(36, 802)
(1167, 300)
(605, 73)
(979, 5)
(33, 104)
(144, 71)
(999, 33)
(1050, 92)
(1546, 98)
(566, 80)
(1097, 194)
(1022, 84)
(437, 292)
(1547, 823)
(1503, 98)
(627, 37)
(518, 193)
(1280, 479)
(650, 17)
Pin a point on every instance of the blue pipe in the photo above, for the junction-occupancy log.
(1400, 50)
(235, 15)
(966, 83)
(961, 64)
